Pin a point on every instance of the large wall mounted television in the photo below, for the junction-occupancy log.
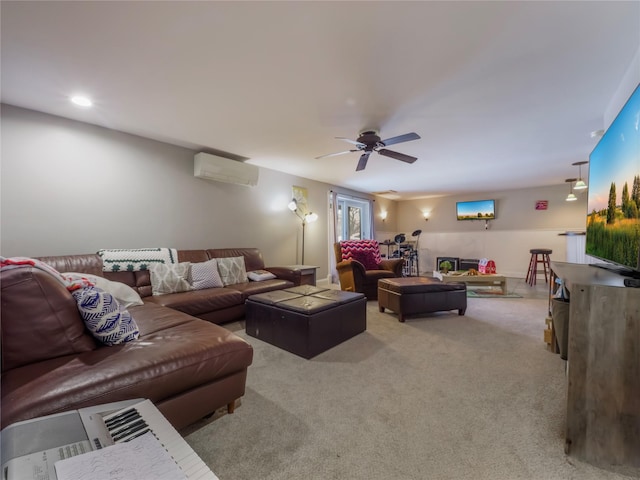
(613, 211)
(476, 210)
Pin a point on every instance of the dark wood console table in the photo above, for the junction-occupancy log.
(603, 395)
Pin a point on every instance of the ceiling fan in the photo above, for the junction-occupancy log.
(369, 141)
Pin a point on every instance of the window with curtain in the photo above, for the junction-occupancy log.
(351, 219)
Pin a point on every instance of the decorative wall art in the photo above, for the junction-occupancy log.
(300, 195)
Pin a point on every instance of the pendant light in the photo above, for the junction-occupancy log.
(580, 184)
(571, 197)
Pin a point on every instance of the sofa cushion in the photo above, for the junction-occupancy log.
(124, 294)
(232, 270)
(205, 275)
(253, 259)
(251, 288)
(197, 302)
(139, 281)
(367, 252)
(175, 353)
(104, 317)
(55, 327)
(86, 263)
(171, 278)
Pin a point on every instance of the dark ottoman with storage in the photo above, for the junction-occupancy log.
(306, 320)
(413, 295)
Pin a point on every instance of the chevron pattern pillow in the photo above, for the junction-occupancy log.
(103, 316)
(367, 252)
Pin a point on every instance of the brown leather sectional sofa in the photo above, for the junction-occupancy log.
(187, 366)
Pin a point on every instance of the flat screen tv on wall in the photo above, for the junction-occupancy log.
(476, 210)
(613, 205)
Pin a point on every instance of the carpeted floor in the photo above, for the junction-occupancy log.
(440, 396)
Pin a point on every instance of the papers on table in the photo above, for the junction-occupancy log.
(142, 458)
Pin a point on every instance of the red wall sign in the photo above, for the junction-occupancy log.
(542, 204)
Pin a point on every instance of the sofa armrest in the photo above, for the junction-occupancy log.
(351, 265)
(286, 273)
(394, 265)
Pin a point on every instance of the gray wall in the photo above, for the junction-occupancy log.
(70, 187)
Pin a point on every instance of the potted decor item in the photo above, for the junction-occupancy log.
(445, 266)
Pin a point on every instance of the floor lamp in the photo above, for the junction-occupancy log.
(306, 217)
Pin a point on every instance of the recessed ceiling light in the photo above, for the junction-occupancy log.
(81, 101)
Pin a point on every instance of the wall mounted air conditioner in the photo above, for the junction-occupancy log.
(218, 169)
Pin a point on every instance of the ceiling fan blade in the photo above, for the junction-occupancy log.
(397, 155)
(360, 145)
(363, 161)
(337, 153)
(401, 138)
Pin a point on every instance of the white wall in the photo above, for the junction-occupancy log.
(626, 87)
(518, 227)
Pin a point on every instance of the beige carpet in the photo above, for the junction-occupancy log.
(438, 397)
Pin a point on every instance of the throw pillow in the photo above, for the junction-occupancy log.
(232, 270)
(205, 275)
(104, 317)
(126, 296)
(260, 275)
(366, 252)
(170, 278)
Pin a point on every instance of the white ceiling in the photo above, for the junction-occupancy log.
(503, 94)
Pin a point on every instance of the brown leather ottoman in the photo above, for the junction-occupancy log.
(413, 295)
(306, 320)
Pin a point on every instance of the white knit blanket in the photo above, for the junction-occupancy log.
(136, 259)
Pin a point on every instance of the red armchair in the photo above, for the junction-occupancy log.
(360, 266)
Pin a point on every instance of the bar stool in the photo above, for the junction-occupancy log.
(538, 255)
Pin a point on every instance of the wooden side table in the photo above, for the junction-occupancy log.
(307, 273)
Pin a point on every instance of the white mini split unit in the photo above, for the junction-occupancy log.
(218, 169)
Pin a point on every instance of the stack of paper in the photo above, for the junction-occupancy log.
(142, 458)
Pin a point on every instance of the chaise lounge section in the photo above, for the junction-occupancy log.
(189, 367)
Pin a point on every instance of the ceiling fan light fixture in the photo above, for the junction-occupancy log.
(368, 142)
(571, 197)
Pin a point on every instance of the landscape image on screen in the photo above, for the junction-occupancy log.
(613, 212)
(476, 210)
